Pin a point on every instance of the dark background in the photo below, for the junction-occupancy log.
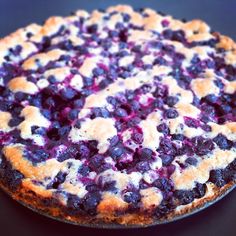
(216, 220)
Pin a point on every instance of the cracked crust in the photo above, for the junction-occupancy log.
(35, 196)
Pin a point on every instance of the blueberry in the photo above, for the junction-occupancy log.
(112, 100)
(69, 153)
(19, 96)
(92, 29)
(168, 34)
(134, 105)
(114, 140)
(36, 102)
(137, 48)
(202, 146)
(171, 114)
(171, 101)
(53, 135)
(116, 152)
(10, 176)
(158, 103)
(63, 131)
(216, 177)
(222, 142)
(145, 154)
(191, 161)
(39, 156)
(91, 201)
(225, 109)
(74, 202)
(92, 187)
(52, 79)
(73, 114)
(163, 128)
(143, 166)
(38, 130)
(56, 125)
(178, 137)
(184, 196)
(120, 112)
(104, 167)
(200, 190)
(68, 93)
(46, 113)
(132, 197)
(123, 53)
(191, 122)
(84, 170)
(78, 103)
(156, 44)
(98, 71)
(145, 88)
(59, 179)
(164, 208)
(124, 74)
(137, 137)
(50, 102)
(96, 161)
(160, 91)
(15, 121)
(82, 49)
(166, 159)
(104, 83)
(209, 110)
(113, 33)
(211, 98)
(84, 151)
(219, 84)
(229, 174)
(163, 184)
(109, 186)
(126, 17)
(6, 105)
(159, 61)
(88, 81)
(101, 112)
(122, 45)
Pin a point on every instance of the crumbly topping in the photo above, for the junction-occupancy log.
(89, 131)
(20, 84)
(5, 117)
(118, 110)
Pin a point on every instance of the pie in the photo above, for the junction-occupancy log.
(117, 117)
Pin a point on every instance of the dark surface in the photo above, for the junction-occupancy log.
(216, 220)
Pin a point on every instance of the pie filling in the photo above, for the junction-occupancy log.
(136, 107)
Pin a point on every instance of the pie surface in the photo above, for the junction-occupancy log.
(117, 116)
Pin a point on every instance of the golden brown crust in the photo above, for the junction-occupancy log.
(37, 203)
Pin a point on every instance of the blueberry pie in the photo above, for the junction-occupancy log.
(118, 116)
